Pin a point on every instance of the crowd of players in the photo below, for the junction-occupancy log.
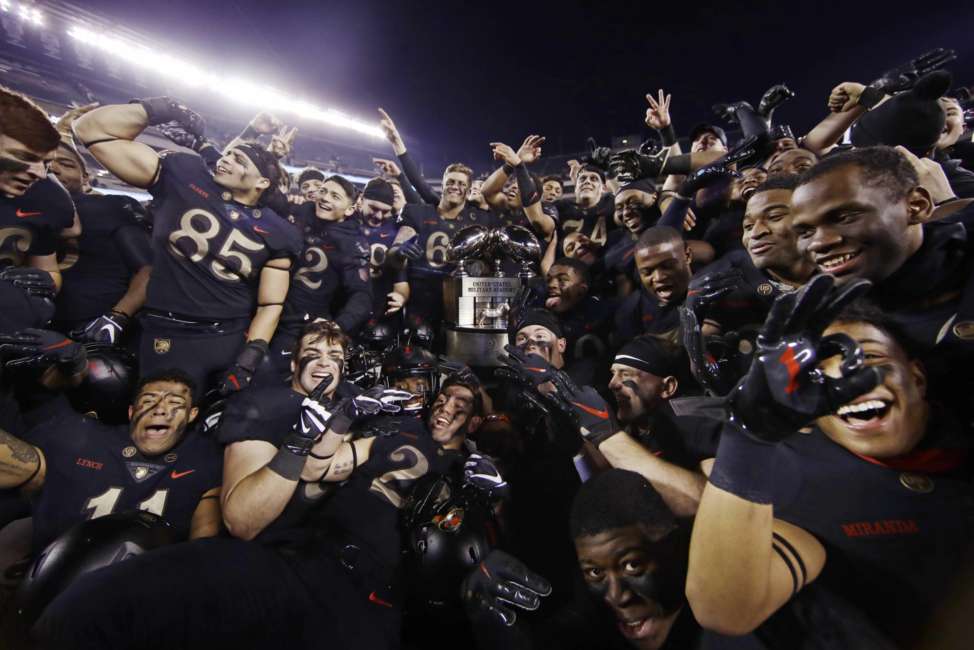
(733, 412)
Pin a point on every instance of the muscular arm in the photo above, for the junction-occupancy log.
(206, 518)
(47, 263)
(493, 185)
(829, 131)
(22, 465)
(736, 579)
(340, 461)
(271, 292)
(109, 133)
(252, 495)
(680, 488)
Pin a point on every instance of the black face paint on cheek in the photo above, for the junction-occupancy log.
(304, 362)
(631, 385)
(11, 166)
(542, 346)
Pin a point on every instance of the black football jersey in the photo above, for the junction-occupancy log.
(641, 313)
(434, 235)
(93, 470)
(383, 278)
(30, 225)
(367, 506)
(748, 304)
(595, 222)
(208, 250)
(331, 278)
(114, 244)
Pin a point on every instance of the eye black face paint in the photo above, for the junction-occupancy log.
(545, 347)
(631, 385)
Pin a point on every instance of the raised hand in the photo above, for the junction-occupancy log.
(903, 77)
(481, 473)
(505, 153)
(106, 329)
(629, 166)
(785, 390)
(658, 113)
(387, 168)
(282, 142)
(530, 149)
(64, 122)
(266, 124)
(845, 96)
(772, 98)
(392, 133)
(498, 585)
(704, 293)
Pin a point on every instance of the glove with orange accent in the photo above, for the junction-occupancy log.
(785, 389)
(35, 348)
(583, 408)
(500, 583)
(241, 373)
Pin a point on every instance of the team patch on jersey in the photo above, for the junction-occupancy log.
(142, 471)
(916, 482)
(170, 457)
(161, 346)
(765, 289)
(129, 451)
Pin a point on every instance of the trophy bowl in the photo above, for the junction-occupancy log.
(469, 242)
(520, 244)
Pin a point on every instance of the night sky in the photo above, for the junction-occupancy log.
(457, 75)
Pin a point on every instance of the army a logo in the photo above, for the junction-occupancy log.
(161, 346)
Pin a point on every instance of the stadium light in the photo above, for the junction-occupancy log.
(239, 90)
(24, 11)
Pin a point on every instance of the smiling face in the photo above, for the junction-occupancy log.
(159, 416)
(664, 270)
(374, 212)
(580, 247)
(512, 196)
(854, 230)
(69, 170)
(953, 124)
(742, 188)
(640, 578)
(707, 141)
(791, 161)
(455, 188)
(768, 236)
(316, 359)
(237, 172)
(630, 208)
(452, 415)
(21, 166)
(333, 204)
(588, 188)
(891, 419)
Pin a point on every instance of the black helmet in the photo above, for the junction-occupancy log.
(377, 335)
(412, 361)
(88, 546)
(107, 388)
(449, 531)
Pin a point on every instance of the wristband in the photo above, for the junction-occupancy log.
(508, 168)
(870, 97)
(744, 467)
(668, 135)
(287, 464)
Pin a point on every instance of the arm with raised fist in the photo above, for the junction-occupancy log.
(109, 133)
(409, 167)
(744, 564)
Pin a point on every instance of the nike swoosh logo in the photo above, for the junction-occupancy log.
(21, 214)
(261, 230)
(175, 474)
(373, 598)
(383, 235)
(604, 415)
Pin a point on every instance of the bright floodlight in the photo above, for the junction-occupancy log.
(242, 91)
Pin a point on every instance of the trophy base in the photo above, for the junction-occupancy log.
(475, 347)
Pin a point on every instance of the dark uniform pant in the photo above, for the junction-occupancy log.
(223, 593)
(201, 349)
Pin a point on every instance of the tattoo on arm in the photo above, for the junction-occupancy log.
(19, 450)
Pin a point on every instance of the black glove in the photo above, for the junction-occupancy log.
(747, 151)
(166, 109)
(481, 473)
(410, 249)
(628, 166)
(524, 300)
(450, 368)
(784, 390)
(903, 77)
(583, 408)
(179, 135)
(772, 98)
(374, 401)
(526, 370)
(728, 112)
(312, 423)
(34, 348)
(499, 583)
(105, 329)
(703, 294)
(705, 177)
(598, 156)
(241, 373)
(35, 282)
